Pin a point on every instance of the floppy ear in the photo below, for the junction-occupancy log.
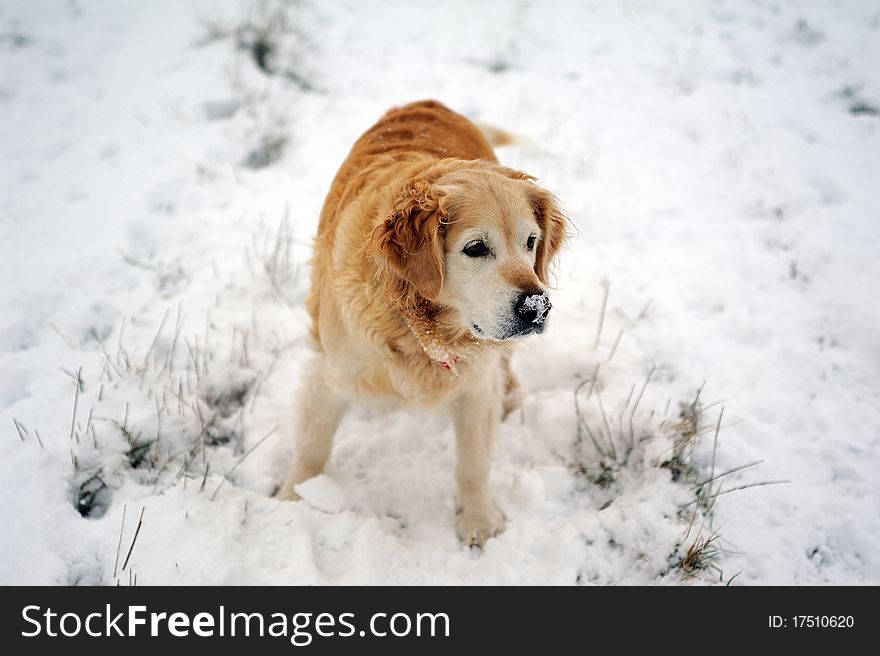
(552, 221)
(411, 238)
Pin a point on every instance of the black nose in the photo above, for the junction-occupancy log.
(532, 309)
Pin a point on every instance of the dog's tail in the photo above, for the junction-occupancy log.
(496, 136)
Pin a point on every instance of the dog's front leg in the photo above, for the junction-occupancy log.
(476, 417)
(319, 413)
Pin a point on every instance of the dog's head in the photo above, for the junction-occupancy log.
(477, 238)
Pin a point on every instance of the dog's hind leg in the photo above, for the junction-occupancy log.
(318, 415)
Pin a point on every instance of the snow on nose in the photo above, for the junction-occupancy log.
(534, 308)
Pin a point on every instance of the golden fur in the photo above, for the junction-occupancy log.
(386, 286)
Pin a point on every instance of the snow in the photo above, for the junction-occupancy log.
(323, 493)
(717, 160)
(539, 304)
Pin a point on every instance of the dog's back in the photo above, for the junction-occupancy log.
(423, 127)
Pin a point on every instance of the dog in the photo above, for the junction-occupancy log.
(431, 260)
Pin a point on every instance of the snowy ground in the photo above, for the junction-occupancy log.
(159, 192)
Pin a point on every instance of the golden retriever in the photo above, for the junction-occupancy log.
(430, 260)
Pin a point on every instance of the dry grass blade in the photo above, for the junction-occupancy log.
(77, 385)
(119, 542)
(193, 356)
(642, 390)
(19, 428)
(700, 555)
(715, 443)
(178, 325)
(727, 473)
(240, 460)
(154, 342)
(614, 346)
(632, 389)
(107, 359)
(61, 335)
(205, 477)
(735, 489)
(612, 450)
(119, 340)
(606, 286)
(593, 381)
(89, 420)
(134, 539)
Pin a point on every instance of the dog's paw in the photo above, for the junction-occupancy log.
(475, 528)
(286, 493)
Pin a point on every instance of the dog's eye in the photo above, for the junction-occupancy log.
(476, 248)
(530, 244)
